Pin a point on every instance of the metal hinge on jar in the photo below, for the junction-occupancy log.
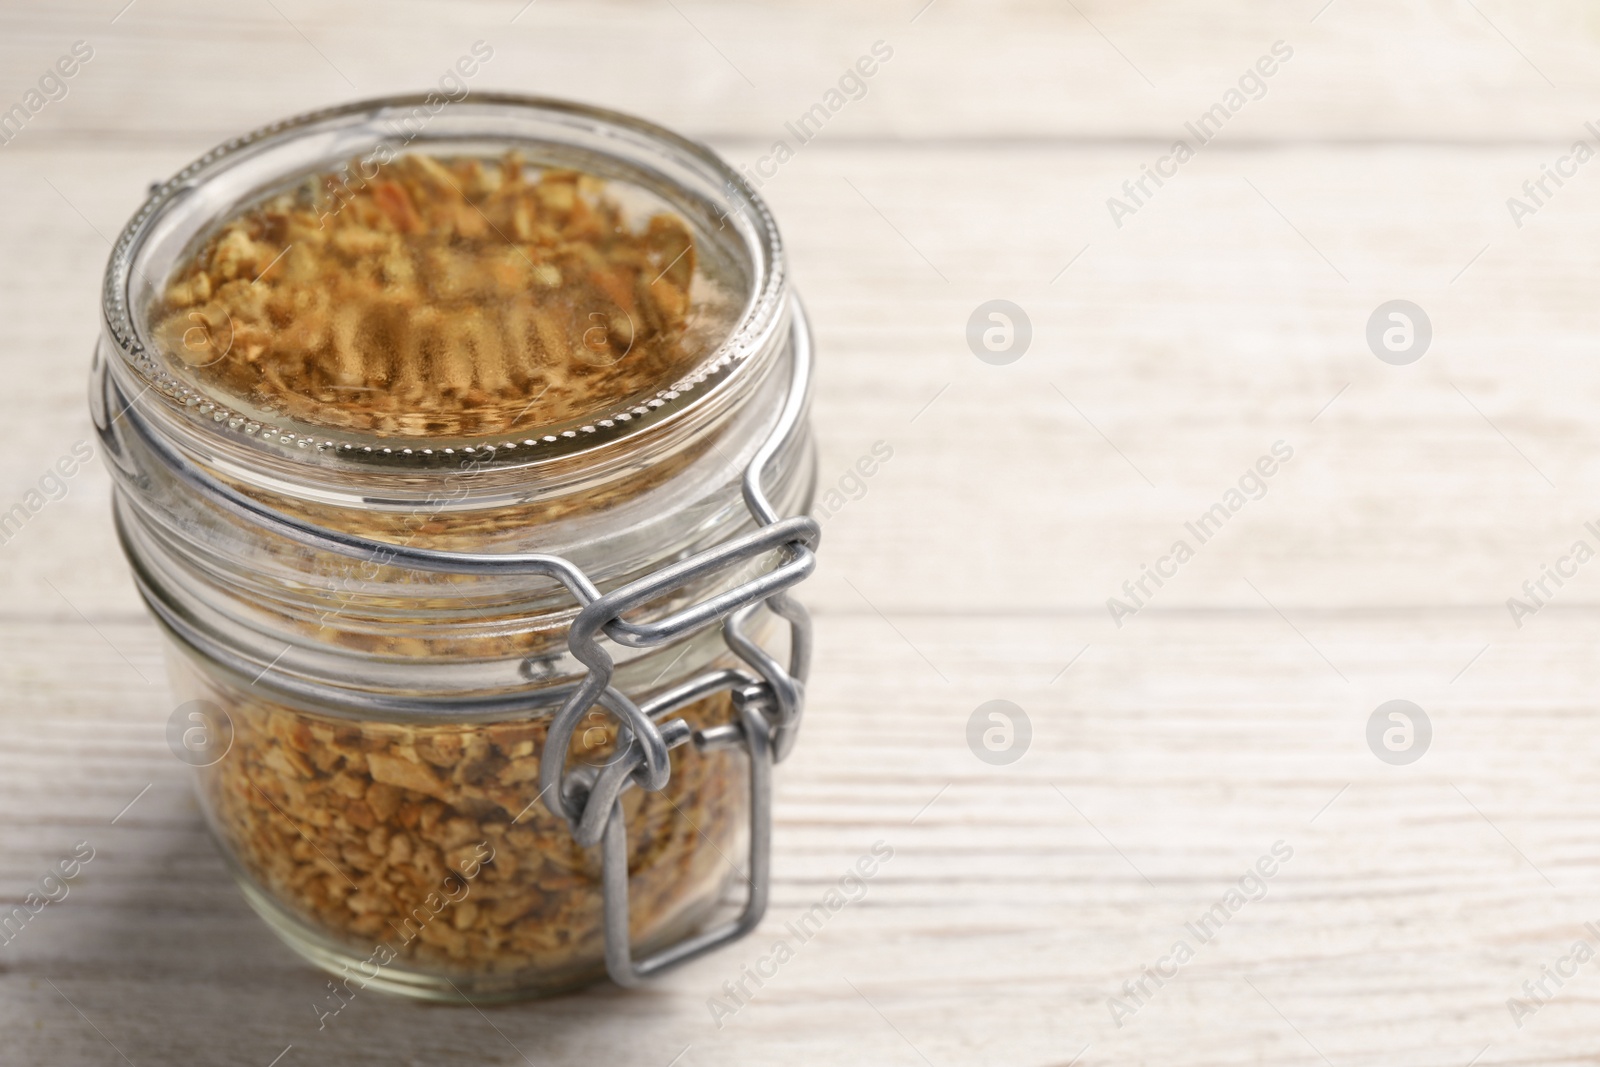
(768, 703)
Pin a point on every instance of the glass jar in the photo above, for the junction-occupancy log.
(481, 709)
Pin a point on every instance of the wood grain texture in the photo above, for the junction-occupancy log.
(1169, 753)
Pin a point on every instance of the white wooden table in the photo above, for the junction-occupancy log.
(1167, 355)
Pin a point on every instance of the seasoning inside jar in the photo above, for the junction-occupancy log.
(428, 846)
(446, 297)
(468, 310)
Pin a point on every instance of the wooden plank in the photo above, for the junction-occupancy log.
(1361, 70)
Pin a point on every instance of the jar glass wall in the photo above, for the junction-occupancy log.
(370, 732)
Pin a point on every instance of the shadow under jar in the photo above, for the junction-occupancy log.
(452, 446)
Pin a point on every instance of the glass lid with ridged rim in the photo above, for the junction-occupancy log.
(519, 277)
